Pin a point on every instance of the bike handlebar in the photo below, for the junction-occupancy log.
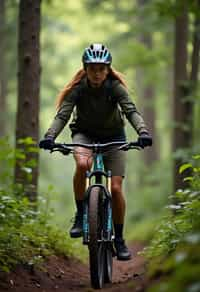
(96, 147)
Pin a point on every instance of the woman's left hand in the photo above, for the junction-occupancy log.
(145, 139)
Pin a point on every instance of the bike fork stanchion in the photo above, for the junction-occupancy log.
(108, 254)
(108, 209)
(85, 224)
(85, 210)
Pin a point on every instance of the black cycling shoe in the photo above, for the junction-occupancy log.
(77, 228)
(122, 252)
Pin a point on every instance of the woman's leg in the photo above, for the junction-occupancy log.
(116, 162)
(118, 200)
(119, 206)
(83, 161)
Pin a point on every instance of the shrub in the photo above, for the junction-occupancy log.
(26, 235)
(175, 249)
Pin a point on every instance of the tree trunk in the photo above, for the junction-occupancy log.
(2, 70)
(147, 98)
(193, 79)
(180, 88)
(185, 88)
(27, 122)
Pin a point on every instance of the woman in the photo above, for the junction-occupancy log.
(97, 95)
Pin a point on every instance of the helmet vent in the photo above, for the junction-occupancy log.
(90, 52)
(105, 52)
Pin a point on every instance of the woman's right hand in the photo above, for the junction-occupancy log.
(47, 143)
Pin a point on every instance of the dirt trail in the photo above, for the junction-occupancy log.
(66, 274)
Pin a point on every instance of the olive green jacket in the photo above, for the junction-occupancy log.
(97, 112)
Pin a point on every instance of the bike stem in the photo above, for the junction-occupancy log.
(98, 165)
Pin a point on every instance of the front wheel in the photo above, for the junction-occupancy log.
(96, 247)
(108, 263)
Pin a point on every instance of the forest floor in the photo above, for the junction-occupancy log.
(66, 274)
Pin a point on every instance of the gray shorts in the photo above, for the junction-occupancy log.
(113, 160)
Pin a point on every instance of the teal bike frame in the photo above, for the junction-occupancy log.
(98, 162)
(98, 172)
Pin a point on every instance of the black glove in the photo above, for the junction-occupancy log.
(145, 139)
(47, 143)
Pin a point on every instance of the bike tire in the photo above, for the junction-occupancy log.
(96, 248)
(108, 264)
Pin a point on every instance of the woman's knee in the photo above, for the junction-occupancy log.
(116, 185)
(81, 165)
(83, 162)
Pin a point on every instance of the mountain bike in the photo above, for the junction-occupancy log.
(97, 214)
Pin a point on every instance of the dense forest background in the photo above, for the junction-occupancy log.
(141, 37)
(155, 44)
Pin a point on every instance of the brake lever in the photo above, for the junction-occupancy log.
(136, 147)
(53, 150)
(125, 147)
(63, 151)
(130, 145)
(133, 146)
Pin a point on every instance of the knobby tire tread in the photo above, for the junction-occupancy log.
(108, 262)
(94, 246)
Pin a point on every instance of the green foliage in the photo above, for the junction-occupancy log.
(26, 158)
(26, 235)
(175, 248)
(6, 161)
(174, 8)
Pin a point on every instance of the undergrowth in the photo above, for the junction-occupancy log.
(26, 236)
(174, 253)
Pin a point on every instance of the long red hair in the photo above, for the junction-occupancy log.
(77, 78)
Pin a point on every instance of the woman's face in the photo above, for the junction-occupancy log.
(97, 73)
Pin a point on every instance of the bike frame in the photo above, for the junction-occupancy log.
(98, 172)
(100, 245)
